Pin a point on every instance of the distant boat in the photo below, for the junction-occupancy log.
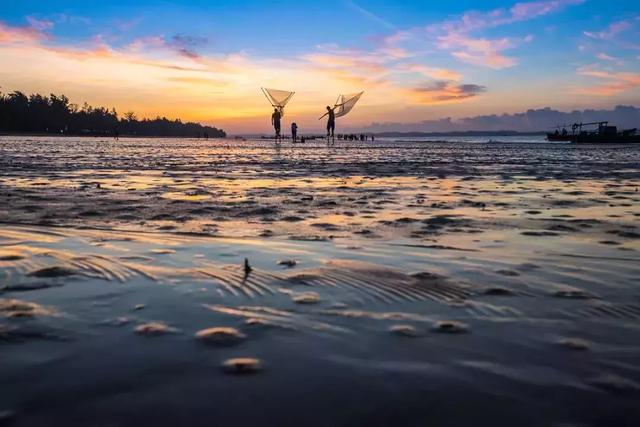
(560, 135)
(604, 134)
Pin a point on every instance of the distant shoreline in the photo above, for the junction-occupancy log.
(376, 134)
(73, 135)
(410, 134)
(457, 133)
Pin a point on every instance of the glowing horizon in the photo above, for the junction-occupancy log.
(206, 63)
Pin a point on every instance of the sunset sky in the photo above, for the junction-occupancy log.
(415, 60)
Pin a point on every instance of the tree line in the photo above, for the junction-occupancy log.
(55, 114)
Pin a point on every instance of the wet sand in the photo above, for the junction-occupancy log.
(387, 284)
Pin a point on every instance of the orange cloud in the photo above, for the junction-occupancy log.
(445, 91)
(98, 51)
(611, 83)
(20, 34)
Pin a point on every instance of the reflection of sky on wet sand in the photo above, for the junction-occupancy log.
(359, 190)
(346, 246)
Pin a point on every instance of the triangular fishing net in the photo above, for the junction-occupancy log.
(277, 98)
(345, 103)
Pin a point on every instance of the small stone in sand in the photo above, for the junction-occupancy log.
(152, 329)
(404, 330)
(163, 251)
(220, 335)
(574, 344)
(288, 262)
(242, 365)
(306, 298)
(450, 327)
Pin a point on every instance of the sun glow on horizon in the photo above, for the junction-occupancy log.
(448, 68)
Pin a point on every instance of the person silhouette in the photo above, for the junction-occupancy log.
(331, 122)
(275, 121)
(294, 132)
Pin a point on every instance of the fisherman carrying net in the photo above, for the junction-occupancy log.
(275, 121)
(344, 104)
(278, 100)
(331, 122)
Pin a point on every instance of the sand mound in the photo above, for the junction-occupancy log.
(153, 329)
(404, 330)
(242, 365)
(220, 336)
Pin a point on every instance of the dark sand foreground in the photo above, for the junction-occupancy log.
(389, 284)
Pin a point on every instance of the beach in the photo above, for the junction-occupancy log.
(175, 281)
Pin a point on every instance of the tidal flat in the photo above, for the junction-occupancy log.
(168, 281)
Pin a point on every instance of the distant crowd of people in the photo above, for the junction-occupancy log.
(356, 137)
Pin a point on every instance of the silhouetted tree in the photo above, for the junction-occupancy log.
(55, 114)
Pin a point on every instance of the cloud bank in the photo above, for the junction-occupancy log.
(528, 121)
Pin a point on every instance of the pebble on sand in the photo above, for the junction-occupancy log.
(152, 329)
(450, 327)
(220, 335)
(306, 298)
(163, 251)
(288, 262)
(242, 365)
(404, 330)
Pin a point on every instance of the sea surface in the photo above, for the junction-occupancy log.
(484, 139)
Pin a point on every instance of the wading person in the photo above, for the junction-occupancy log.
(275, 121)
(331, 122)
